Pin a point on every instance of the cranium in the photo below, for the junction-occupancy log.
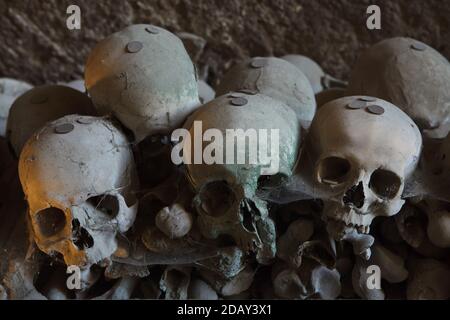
(275, 78)
(144, 76)
(226, 200)
(317, 77)
(357, 156)
(409, 74)
(79, 179)
(36, 107)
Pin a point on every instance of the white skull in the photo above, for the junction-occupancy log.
(79, 179)
(358, 154)
(409, 74)
(275, 78)
(144, 76)
(226, 201)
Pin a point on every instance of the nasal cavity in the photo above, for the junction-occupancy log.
(80, 236)
(355, 196)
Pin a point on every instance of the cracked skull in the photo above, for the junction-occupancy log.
(359, 152)
(143, 76)
(226, 198)
(78, 176)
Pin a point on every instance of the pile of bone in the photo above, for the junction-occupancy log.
(359, 207)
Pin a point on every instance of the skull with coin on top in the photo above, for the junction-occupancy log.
(275, 78)
(357, 156)
(79, 178)
(226, 200)
(143, 76)
(411, 75)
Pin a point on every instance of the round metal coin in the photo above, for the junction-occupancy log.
(374, 109)
(239, 102)
(64, 128)
(357, 104)
(134, 46)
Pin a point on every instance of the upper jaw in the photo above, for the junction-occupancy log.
(343, 222)
(357, 235)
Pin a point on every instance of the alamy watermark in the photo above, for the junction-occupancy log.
(257, 147)
(73, 21)
(73, 281)
(374, 20)
(373, 281)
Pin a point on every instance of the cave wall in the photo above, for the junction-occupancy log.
(37, 46)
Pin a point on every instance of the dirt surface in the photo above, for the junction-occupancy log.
(37, 46)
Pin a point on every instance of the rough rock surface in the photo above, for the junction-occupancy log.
(36, 45)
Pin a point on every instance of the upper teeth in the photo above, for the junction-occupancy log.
(360, 228)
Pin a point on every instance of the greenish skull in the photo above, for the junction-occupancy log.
(144, 76)
(226, 199)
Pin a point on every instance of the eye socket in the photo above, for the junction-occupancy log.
(50, 221)
(107, 204)
(333, 170)
(216, 198)
(385, 183)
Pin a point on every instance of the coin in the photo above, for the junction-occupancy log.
(64, 128)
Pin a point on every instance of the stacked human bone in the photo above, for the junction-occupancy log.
(358, 206)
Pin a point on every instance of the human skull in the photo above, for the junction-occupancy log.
(310, 68)
(275, 78)
(143, 76)
(317, 77)
(226, 200)
(409, 74)
(358, 154)
(10, 89)
(36, 107)
(78, 176)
